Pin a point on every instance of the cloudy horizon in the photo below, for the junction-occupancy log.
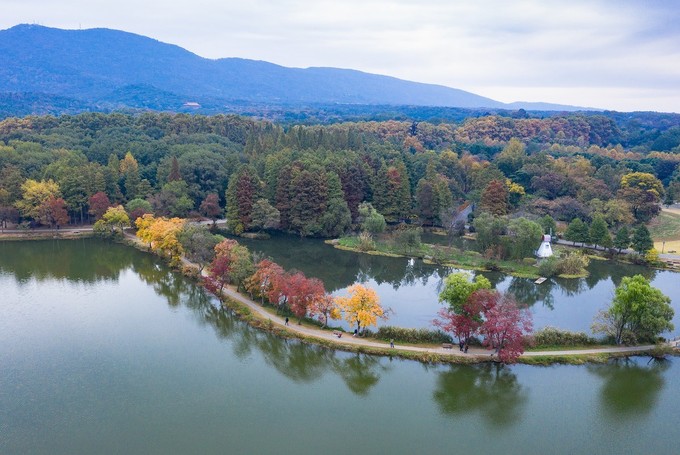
(612, 55)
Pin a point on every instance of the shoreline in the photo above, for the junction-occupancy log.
(257, 316)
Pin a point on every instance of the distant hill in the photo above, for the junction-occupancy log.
(109, 69)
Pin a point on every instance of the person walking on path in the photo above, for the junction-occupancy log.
(392, 343)
(286, 320)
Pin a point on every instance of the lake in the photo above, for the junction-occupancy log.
(411, 288)
(105, 350)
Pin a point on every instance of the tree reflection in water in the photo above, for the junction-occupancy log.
(630, 386)
(492, 390)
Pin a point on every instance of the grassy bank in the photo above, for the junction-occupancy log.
(440, 255)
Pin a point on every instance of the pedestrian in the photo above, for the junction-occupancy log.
(465, 350)
(460, 345)
(286, 320)
(392, 343)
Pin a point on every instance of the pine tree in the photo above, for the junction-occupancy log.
(622, 239)
(642, 239)
(577, 231)
(599, 233)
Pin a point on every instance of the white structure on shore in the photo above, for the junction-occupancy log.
(545, 250)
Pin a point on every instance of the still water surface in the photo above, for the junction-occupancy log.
(104, 350)
(411, 288)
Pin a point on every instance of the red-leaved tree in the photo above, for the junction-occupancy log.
(210, 207)
(99, 202)
(504, 327)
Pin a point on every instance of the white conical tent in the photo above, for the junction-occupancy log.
(545, 250)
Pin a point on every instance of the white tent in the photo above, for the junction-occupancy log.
(545, 250)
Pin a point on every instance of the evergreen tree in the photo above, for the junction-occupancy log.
(599, 233)
(622, 239)
(242, 192)
(577, 231)
(642, 239)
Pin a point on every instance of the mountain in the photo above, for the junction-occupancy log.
(103, 68)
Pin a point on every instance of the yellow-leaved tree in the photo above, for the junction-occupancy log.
(362, 307)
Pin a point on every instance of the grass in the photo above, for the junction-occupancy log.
(449, 256)
(666, 227)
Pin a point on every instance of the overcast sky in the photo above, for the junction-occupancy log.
(618, 54)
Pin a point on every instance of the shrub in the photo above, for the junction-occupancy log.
(366, 242)
(413, 335)
(551, 336)
(549, 267)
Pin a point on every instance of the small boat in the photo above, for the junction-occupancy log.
(540, 280)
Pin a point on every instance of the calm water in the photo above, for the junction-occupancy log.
(104, 350)
(411, 288)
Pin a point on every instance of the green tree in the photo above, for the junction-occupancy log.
(639, 312)
(525, 237)
(548, 224)
(458, 287)
(198, 244)
(490, 230)
(371, 220)
(577, 231)
(265, 216)
(622, 239)
(598, 233)
(642, 239)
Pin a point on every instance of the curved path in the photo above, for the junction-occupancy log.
(349, 340)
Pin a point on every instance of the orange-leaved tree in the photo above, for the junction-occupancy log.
(362, 307)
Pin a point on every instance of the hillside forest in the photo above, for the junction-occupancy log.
(311, 180)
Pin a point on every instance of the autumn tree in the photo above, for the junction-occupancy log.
(113, 221)
(643, 192)
(505, 326)
(324, 308)
(210, 207)
(243, 190)
(52, 212)
(98, 203)
(301, 292)
(495, 198)
(362, 307)
(639, 312)
(34, 195)
(266, 281)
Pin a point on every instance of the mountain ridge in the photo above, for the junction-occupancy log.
(92, 65)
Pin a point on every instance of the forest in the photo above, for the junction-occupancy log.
(311, 179)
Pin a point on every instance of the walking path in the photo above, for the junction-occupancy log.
(349, 340)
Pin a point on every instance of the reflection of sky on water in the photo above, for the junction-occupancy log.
(415, 302)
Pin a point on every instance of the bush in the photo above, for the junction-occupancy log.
(551, 336)
(366, 242)
(549, 267)
(413, 335)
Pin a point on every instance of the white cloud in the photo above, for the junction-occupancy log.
(621, 55)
